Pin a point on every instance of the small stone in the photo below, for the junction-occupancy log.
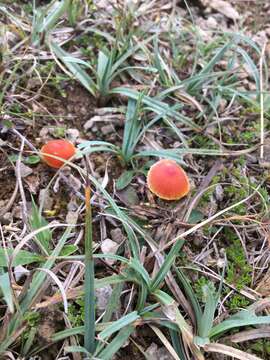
(6, 218)
(222, 104)
(90, 123)
(117, 235)
(20, 271)
(219, 192)
(72, 134)
(45, 199)
(44, 132)
(72, 217)
(199, 239)
(103, 296)
(106, 129)
(109, 247)
(211, 22)
(25, 170)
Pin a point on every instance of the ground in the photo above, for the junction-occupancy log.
(129, 83)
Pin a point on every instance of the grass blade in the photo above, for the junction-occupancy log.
(6, 289)
(89, 286)
(119, 324)
(74, 68)
(165, 267)
(115, 345)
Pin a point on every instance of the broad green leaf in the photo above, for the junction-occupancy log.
(128, 196)
(44, 237)
(32, 159)
(23, 257)
(195, 216)
(68, 250)
(124, 179)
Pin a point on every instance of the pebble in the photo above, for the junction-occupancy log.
(45, 199)
(117, 235)
(107, 129)
(109, 247)
(72, 134)
(25, 170)
(103, 296)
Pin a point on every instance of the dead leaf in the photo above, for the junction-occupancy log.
(223, 7)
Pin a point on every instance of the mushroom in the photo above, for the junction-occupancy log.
(60, 148)
(168, 180)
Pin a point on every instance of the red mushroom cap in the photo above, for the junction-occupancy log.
(61, 148)
(168, 180)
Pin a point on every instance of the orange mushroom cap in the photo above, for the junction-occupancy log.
(61, 148)
(168, 180)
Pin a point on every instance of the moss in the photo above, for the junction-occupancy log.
(238, 270)
(201, 141)
(76, 313)
(199, 284)
(237, 302)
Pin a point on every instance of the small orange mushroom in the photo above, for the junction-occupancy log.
(168, 180)
(60, 148)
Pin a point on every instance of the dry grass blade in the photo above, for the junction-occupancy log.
(207, 221)
(230, 351)
(262, 332)
(165, 342)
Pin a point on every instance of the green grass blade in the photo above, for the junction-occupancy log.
(56, 10)
(251, 65)
(89, 280)
(77, 349)
(211, 301)
(190, 294)
(114, 301)
(178, 344)
(131, 130)
(44, 237)
(240, 319)
(117, 343)
(6, 290)
(165, 267)
(22, 258)
(74, 68)
(128, 53)
(155, 105)
(42, 23)
(119, 324)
